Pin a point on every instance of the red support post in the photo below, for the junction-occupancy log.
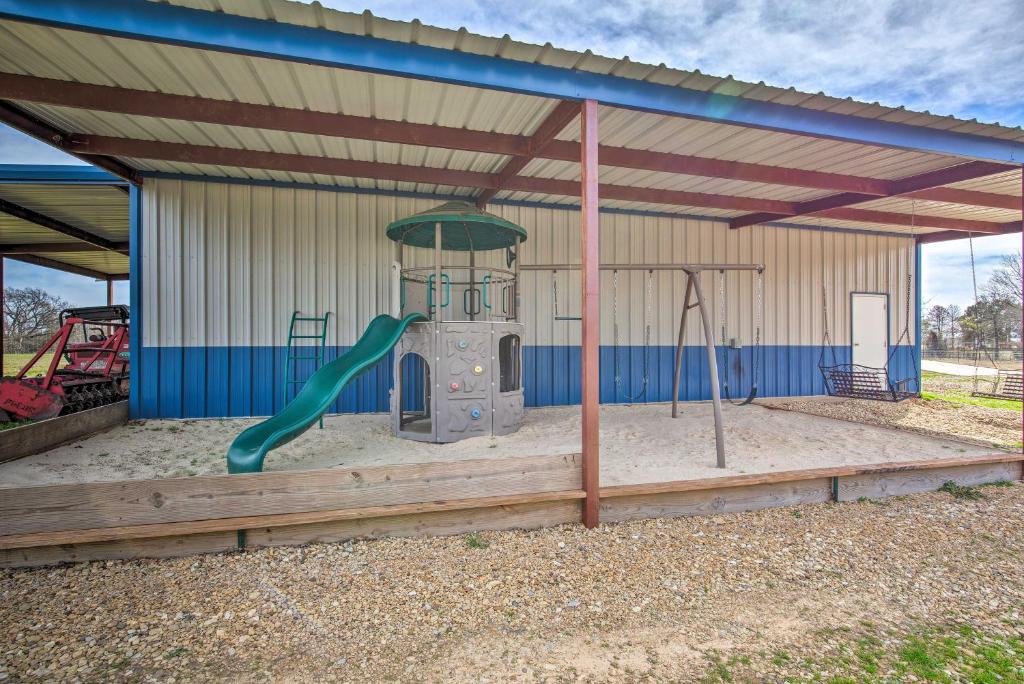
(2, 332)
(591, 313)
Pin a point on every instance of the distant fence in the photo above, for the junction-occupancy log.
(971, 356)
(24, 344)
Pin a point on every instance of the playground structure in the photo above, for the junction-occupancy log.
(458, 370)
(459, 373)
(95, 370)
(476, 354)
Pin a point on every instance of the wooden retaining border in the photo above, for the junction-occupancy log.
(174, 517)
(33, 438)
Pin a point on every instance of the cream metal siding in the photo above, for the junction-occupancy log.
(226, 265)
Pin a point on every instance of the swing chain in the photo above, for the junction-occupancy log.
(554, 288)
(758, 319)
(721, 299)
(647, 318)
(615, 324)
(649, 297)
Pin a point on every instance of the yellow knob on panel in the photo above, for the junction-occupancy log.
(478, 370)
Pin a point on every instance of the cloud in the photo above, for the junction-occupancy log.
(946, 56)
(946, 267)
(75, 289)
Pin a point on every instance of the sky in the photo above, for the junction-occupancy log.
(944, 56)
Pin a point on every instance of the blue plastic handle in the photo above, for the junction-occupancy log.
(446, 281)
(486, 282)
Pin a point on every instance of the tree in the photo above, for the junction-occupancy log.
(990, 323)
(1005, 281)
(29, 313)
(955, 313)
(937, 318)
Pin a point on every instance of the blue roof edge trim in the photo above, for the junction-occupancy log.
(57, 173)
(288, 185)
(221, 32)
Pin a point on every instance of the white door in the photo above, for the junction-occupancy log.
(870, 330)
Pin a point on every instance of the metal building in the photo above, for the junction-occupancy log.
(269, 144)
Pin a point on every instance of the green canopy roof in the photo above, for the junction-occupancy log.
(464, 227)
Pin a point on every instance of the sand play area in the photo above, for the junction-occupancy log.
(639, 443)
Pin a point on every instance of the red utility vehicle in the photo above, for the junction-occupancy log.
(93, 341)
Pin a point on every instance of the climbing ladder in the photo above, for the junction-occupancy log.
(296, 353)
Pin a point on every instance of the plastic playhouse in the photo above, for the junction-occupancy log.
(458, 366)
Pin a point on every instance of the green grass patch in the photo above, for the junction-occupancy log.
(961, 491)
(987, 402)
(475, 541)
(935, 653)
(13, 363)
(14, 424)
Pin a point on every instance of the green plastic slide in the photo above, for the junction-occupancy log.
(323, 387)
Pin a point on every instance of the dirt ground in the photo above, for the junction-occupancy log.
(920, 588)
(948, 417)
(641, 443)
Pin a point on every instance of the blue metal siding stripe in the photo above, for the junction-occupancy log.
(244, 381)
(195, 389)
(240, 367)
(222, 32)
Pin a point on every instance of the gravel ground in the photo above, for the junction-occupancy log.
(778, 595)
(1000, 428)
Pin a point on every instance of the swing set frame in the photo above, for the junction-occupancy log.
(693, 291)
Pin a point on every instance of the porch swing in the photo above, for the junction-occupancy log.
(620, 384)
(1005, 384)
(646, 374)
(856, 381)
(728, 345)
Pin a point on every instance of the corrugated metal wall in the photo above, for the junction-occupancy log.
(224, 267)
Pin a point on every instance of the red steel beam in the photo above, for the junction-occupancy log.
(225, 156)
(973, 198)
(560, 117)
(20, 120)
(946, 235)
(256, 159)
(207, 110)
(899, 219)
(827, 206)
(591, 313)
(553, 186)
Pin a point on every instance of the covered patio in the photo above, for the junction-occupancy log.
(247, 133)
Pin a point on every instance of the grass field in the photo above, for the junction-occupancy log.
(14, 362)
(957, 389)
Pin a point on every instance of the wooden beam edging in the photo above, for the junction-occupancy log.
(20, 541)
(782, 476)
(309, 517)
(35, 437)
(141, 503)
